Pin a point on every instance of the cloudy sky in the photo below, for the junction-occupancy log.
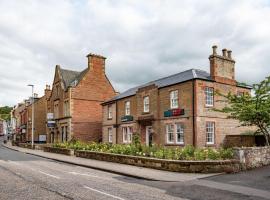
(142, 40)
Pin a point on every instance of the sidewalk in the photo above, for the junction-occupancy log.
(127, 170)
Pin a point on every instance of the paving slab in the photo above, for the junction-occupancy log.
(122, 169)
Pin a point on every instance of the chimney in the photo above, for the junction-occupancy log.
(96, 63)
(224, 53)
(47, 91)
(222, 66)
(229, 54)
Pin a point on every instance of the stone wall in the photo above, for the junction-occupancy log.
(68, 152)
(252, 157)
(218, 166)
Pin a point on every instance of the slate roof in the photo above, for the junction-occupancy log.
(69, 76)
(167, 81)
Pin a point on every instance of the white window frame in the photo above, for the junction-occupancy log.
(146, 104)
(127, 134)
(179, 130)
(209, 96)
(110, 135)
(110, 112)
(174, 99)
(127, 108)
(171, 132)
(210, 132)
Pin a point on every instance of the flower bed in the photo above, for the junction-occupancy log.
(186, 153)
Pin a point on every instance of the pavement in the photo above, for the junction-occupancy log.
(122, 169)
(25, 176)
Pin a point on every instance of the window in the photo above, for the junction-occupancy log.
(110, 135)
(146, 104)
(56, 110)
(210, 132)
(179, 134)
(127, 134)
(66, 108)
(209, 96)
(240, 94)
(127, 108)
(174, 99)
(63, 133)
(66, 133)
(170, 133)
(109, 111)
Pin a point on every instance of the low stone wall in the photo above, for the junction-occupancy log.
(68, 152)
(252, 157)
(29, 146)
(218, 166)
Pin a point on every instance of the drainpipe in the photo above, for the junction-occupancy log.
(193, 112)
(116, 125)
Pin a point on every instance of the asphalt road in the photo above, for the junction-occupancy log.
(24, 176)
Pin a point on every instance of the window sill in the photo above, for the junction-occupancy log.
(209, 106)
(109, 118)
(175, 144)
(145, 113)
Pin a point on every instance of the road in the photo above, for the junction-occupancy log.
(24, 176)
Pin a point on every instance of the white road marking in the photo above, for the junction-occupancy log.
(49, 175)
(89, 175)
(110, 195)
(15, 163)
(76, 173)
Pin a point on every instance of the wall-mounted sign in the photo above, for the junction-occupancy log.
(126, 118)
(42, 138)
(51, 123)
(174, 112)
(50, 116)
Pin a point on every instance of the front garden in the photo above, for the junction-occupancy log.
(154, 151)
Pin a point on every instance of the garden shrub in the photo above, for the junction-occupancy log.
(137, 149)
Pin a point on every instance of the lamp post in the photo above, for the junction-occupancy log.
(33, 100)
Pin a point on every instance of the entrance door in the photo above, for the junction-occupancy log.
(149, 135)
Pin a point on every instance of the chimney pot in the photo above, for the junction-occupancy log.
(214, 47)
(230, 54)
(224, 52)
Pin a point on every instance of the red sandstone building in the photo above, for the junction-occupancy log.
(74, 104)
(176, 110)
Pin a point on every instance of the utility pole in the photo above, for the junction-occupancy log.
(33, 117)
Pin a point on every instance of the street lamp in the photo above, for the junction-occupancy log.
(33, 100)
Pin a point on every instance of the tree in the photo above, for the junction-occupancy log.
(252, 110)
(5, 112)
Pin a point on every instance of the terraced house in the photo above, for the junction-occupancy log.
(73, 108)
(176, 110)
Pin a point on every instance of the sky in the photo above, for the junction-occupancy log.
(142, 40)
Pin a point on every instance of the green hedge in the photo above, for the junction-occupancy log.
(186, 153)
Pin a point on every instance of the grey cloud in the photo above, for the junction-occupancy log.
(142, 40)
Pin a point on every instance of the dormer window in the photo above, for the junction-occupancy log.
(74, 83)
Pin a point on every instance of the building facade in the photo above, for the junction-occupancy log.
(177, 110)
(74, 104)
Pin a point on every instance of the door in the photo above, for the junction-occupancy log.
(149, 136)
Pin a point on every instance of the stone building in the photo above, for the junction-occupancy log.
(40, 134)
(176, 110)
(73, 104)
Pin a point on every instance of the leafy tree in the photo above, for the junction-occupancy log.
(5, 112)
(252, 110)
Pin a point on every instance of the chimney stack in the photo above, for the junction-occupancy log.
(96, 63)
(222, 66)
